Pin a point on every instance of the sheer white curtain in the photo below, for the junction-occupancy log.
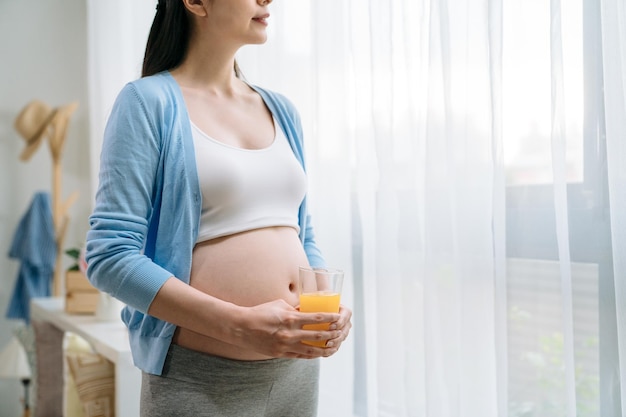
(614, 65)
(466, 170)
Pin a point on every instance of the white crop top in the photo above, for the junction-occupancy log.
(245, 189)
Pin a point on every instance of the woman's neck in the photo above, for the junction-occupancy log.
(207, 68)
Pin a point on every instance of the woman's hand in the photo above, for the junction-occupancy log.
(344, 324)
(275, 329)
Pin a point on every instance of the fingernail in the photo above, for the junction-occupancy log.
(330, 344)
(333, 327)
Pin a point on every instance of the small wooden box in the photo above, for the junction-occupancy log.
(80, 296)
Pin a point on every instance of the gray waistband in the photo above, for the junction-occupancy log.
(192, 366)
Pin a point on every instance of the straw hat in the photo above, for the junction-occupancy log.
(60, 123)
(33, 121)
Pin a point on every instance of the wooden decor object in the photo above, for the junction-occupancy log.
(80, 296)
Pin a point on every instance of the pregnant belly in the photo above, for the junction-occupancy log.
(246, 269)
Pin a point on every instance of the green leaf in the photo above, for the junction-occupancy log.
(73, 253)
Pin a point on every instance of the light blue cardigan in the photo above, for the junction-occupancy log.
(145, 221)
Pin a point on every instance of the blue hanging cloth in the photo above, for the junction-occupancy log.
(34, 245)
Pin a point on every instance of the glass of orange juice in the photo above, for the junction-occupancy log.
(320, 291)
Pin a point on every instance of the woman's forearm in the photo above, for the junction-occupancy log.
(182, 305)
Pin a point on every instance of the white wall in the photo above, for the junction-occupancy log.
(43, 55)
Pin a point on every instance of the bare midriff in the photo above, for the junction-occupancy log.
(247, 269)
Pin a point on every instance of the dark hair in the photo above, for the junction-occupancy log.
(168, 39)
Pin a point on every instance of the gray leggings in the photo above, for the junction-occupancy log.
(195, 384)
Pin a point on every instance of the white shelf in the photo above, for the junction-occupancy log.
(110, 339)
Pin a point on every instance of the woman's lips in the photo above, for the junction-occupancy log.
(261, 19)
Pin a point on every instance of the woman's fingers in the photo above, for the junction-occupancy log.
(345, 315)
(317, 318)
(303, 351)
(343, 325)
(339, 329)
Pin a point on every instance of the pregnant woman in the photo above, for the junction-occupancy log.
(200, 224)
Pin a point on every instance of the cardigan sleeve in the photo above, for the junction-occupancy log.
(129, 164)
(313, 253)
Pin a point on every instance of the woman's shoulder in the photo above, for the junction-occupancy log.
(280, 106)
(155, 95)
(275, 97)
(152, 90)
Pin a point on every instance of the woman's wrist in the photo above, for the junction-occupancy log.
(235, 324)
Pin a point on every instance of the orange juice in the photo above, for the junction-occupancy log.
(320, 301)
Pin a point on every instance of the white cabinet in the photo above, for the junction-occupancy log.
(110, 339)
